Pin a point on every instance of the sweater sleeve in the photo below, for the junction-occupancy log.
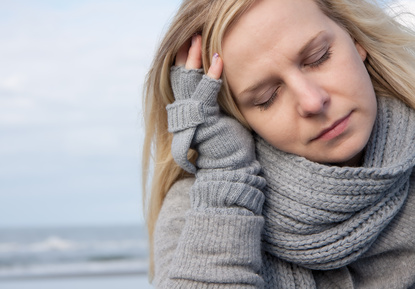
(220, 243)
(205, 248)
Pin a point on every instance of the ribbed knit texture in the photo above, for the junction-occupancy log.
(359, 220)
(226, 168)
(325, 217)
(223, 230)
(388, 264)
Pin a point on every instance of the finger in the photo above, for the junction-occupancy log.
(194, 58)
(181, 55)
(215, 70)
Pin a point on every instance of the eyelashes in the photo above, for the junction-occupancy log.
(269, 102)
(326, 56)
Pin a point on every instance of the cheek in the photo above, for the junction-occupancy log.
(352, 72)
(258, 121)
(362, 90)
(372, 106)
(349, 80)
(276, 129)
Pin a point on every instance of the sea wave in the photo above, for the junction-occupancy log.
(130, 267)
(73, 251)
(55, 243)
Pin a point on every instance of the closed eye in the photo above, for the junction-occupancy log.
(265, 105)
(326, 56)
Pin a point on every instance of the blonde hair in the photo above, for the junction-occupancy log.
(390, 63)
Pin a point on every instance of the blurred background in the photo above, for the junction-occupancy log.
(71, 77)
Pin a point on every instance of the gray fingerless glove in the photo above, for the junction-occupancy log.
(226, 166)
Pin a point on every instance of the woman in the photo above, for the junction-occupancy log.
(320, 192)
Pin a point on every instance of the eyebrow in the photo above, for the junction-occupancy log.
(310, 42)
(304, 48)
(256, 86)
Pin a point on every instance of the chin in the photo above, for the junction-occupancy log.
(350, 153)
(349, 159)
(355, 161)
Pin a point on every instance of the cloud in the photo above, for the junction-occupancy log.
(11, 83)
(71, 76)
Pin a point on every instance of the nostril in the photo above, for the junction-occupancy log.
(312, 104)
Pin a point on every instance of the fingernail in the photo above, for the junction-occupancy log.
(194, 37)
(215, 58)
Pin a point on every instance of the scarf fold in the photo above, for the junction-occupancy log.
(324, 217)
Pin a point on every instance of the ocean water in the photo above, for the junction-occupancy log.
(70, 255)
(114, 282)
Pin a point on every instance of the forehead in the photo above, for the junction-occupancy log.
(271, 30)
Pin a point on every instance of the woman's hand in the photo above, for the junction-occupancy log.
(197, 122)
(190, 56)
(195, 105)
(226, 197)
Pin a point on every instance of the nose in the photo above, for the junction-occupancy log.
(311, 98)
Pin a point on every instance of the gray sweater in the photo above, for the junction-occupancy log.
(389, 263)
(211, 234)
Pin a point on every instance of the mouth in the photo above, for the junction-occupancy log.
(336, 129)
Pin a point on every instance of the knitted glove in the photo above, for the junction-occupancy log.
(226, 168)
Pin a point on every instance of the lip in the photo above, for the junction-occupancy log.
(336, 129)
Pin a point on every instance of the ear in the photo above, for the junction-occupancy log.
(362, 52)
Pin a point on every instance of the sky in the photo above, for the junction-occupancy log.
(71, 76)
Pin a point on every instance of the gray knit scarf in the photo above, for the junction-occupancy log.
(324, 217)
